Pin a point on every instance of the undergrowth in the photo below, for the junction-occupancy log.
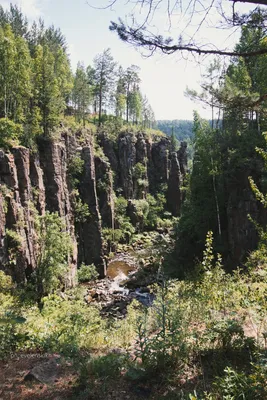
(201, 339)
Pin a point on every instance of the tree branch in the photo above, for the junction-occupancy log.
(152, 43)
(261, 2)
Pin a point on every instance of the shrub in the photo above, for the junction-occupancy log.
(87, 273)
(81, 210)
(10, 133)
(108, 366)
(156, 208)
(75, 169)
(55, 246)
(235, 385)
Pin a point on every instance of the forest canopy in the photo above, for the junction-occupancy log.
(37, 85)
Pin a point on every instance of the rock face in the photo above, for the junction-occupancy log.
(174, 196)
(142, 164)
(104, 189)
(134, 165)
(90, 239)
(182, 158)
(30, 185)
(17, 246)
(242, 234)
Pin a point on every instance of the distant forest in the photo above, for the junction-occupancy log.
(182, 129)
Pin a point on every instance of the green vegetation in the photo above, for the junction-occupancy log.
(194, 328)
(54, 248)
(181, 129)
(37, 86)
(87, 273)
(225, 156)
(204, 336)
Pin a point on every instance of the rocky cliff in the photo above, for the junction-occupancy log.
(142, 164)
(133, 165)
(32, 184)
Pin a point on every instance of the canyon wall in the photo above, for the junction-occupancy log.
(33, 183)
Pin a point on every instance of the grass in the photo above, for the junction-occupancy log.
(201, 339)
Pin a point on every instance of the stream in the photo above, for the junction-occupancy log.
(112, 293)
(122, 284)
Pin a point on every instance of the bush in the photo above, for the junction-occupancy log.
(123, 223)
(235, 385)
(87, 273)
(10, 133)
(108, 366)
(75, 169)
(55, 246)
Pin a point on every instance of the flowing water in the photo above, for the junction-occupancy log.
(119, 271)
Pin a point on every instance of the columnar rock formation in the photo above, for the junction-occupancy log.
(161, 170)
(31, 184)
(18, 173)
(90, 239)
(174, 197)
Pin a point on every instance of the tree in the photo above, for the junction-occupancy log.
(135, 105)
(131, 80)
(46, 94)
(54, 245)
(7, 69)
(141, 32)
(15, 75)
(148, 115)
(105, 70)
(15, 19)
(22, 86)
(81, 95)
(121, 96)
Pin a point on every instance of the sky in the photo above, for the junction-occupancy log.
(164, 78)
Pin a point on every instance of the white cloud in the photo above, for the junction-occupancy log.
(31, 8)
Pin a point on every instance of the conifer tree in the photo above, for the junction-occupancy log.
(46, 90)
(121, 94)
(105, 71)
(81, 95)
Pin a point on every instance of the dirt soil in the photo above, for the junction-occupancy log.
(14, 386)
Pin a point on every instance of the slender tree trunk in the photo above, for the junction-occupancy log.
(216, 201)
(100, 107)
(127, 103)
(5, 101)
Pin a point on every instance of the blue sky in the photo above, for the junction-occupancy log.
(164, 78)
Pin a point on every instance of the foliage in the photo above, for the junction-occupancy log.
(54, 250)
(236, 385)
(10, 133)
(81, 210)
(156, 209)
(87, 273)
(182, 129)
(124, 227)
(75, 169)
(108, 366)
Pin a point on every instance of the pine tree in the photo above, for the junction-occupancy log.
(131, 80)
(7, 70)
(81, 95)
(46, 90)
(121, 94)
(135, 105)
(105, 71)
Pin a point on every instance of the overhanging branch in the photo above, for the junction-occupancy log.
(258, 2)
(138, 38)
